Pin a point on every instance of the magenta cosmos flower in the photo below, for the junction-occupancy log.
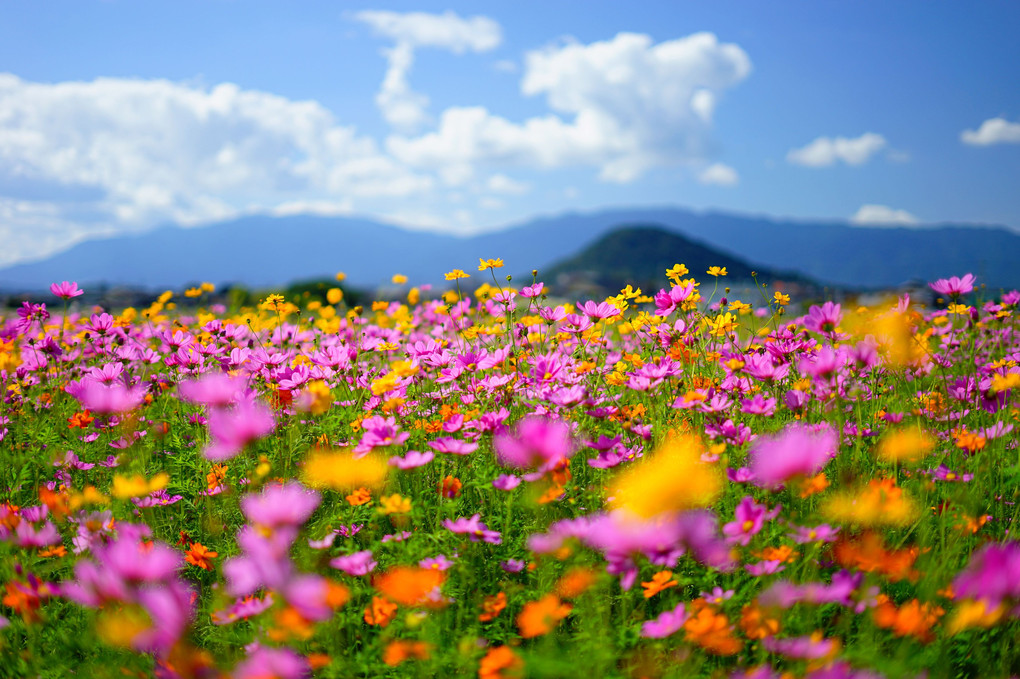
(277, 505)
(65, 290)
(799, 450)
(750, 516)
(233, 429)
(954, 286)
(666, 624)
(535, 441)
(993, 574)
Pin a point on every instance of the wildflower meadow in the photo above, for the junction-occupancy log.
(487, 480)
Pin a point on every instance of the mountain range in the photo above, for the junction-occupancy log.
(263, 251)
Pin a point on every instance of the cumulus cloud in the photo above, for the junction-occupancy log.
(882, 215)
(148, 151)
(500, 183)
(826, 151)
(992, 131)
(719, 175)
(624, 105)
(402, 107)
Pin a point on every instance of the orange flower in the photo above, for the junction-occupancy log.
(56, 502)
(660, 581)
(969, 441)
(542, 616)
(867, 553)
(710, 630)
(492, 606)
(80, 420)
(782, 553)
(575, 581)
(199, 555)
(58, 550)
(215, 477)
(552, 493)
(756, 624)
(450, 487)
(813, 485)
(290, 624)
(362, 496)
(397, 651)
(499, 663)
(911, 619)
(380, 612)
(409, 585)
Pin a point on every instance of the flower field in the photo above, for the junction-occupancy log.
(485, 482)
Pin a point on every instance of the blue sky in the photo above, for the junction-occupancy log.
(119, 116)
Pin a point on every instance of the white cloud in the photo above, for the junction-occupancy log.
(500, 183)
(324, 208)
(446, 31)
(627, 105)
(154, 151)
(719, 175)
(992, 131)
(506, 66)
(402, 107)
(879, 215)
(826, 151)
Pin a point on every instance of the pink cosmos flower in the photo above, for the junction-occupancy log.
(412, 459)
(954, 286)
(598, 311)
(799, 450)
(242, 609)
(535, 441)
(65, 290)
(289, 504)
(212, 389)
(474, 528)
(358, 563)
(506, 482)
(281, 663)
(666, 624)
(453, 446)
(438, 562)
(821, 533)
(823, 319)
(750, 516)
(233, 429)
(106, 399)
(993, 574)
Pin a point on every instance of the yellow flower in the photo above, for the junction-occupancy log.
(136, 486)
(340, 276)
(740, 307)
(677, 272)
(909, 444)
(455, 274)
(340, 470)
(781, 299)
(484, 264)
(193, 292)
(880, 503)
(208, 287)
(1001, 383)
(334, 295)
(399, 278)
(672, 479)
(716, 271)
(413, 296)
(961, 309)
(394, 504)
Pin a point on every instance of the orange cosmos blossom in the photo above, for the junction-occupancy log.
(380, 612)
(660, 581)
(398, 650)
(868, 553)
(542, 616)
(410, 586)
(492, 606)
(911, 619)
(500, 663)
(575, 582)
(200, 555)
(711, 630)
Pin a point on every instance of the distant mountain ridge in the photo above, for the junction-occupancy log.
(640, 254)
(265, 250)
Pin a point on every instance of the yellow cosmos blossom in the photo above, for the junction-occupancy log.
(399, 278)
(340, 470)
(340, 276)
(334, 295)
(125, 487)
(961, 309)
(716, 271)
(394, 504)
(909, 444)
(781, 299)
(484, 264)
(672, 479)
(880, 503)
(676, 272)
(193, 292)
(455, 274)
